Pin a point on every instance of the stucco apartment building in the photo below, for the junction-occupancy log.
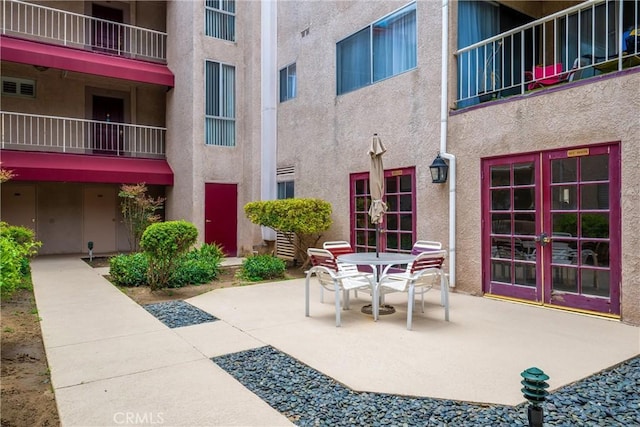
(533, 105)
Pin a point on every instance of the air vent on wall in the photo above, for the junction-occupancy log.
(18, 87)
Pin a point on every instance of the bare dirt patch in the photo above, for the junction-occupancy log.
(26, 396)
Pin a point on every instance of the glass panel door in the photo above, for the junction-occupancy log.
(583, 217)
(399, 223)
(511, 210)
(551, 228)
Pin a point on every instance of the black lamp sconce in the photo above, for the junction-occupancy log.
(439, 170)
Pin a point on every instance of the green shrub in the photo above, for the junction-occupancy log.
(164, 244)
(24, 237)
(129, 270)
(10, 266)
(301, 221)
(18, 246)
(198, 266)
(262, 267)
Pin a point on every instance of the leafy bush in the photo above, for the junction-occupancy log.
(18, 245)
(164, 243)
(10, 266)
(129, 270)
(304, 219)
(198, 266)
(262, 267)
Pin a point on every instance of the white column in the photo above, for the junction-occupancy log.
(269, 86)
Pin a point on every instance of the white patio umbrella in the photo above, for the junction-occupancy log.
(376, 186)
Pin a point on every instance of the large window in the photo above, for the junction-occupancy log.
(383, 49)
(288, 82)
(220, 19)
(220, 123)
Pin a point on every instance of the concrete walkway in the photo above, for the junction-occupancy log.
(113, 363)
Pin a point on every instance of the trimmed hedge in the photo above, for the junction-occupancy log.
(164, 243)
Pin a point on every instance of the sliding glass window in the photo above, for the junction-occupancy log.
(383, 49)
(220, 19)
(220, 123)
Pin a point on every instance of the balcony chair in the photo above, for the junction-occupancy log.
(331, 278)
(419, 277)
(543, 76)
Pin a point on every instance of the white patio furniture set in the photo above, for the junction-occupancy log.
(338, 270)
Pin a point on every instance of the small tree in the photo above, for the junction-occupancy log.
(164, 243)
(304, 219)
(6, 175)
(139, 211)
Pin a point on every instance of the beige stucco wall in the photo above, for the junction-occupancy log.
(604, 110)
(326, 137)
(67, 94)
(199, 164)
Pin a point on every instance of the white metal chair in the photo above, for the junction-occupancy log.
(337, 248)
(330, 277)
(419, 277)
(425, 246)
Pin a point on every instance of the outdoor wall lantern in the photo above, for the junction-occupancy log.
(439, 170)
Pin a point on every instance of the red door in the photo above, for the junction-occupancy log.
(221, 216)
(551, 228)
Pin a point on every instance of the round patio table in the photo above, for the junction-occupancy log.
(376, 261)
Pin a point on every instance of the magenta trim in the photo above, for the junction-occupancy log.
(81, 61)
(39, 166)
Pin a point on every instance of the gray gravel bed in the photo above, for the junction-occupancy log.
(176, 314)
(309, 398)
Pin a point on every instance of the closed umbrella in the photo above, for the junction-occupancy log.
(376, 186)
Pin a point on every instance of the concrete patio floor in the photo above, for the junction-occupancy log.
(111, 359)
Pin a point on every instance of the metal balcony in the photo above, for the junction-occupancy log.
(589, 39)
(69, 135)
(48, 25)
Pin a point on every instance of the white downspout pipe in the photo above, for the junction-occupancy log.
(268, 85)
(444, 116)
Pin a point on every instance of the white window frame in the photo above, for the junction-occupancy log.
(222, 13)
(288, 82)
(20, 84)
(371, 54)
(220, 129)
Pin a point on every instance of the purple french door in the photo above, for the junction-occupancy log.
(398, 227)
(551, 228)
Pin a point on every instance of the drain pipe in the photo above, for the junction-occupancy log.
(444, 116)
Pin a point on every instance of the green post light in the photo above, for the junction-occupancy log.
(90, 246)
(535, 392)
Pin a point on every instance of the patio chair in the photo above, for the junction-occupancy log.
(331, 278)
(425, 246)
(337, 248)
(419, 277)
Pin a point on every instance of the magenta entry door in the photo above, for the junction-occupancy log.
(221, 216)
(551, 228)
